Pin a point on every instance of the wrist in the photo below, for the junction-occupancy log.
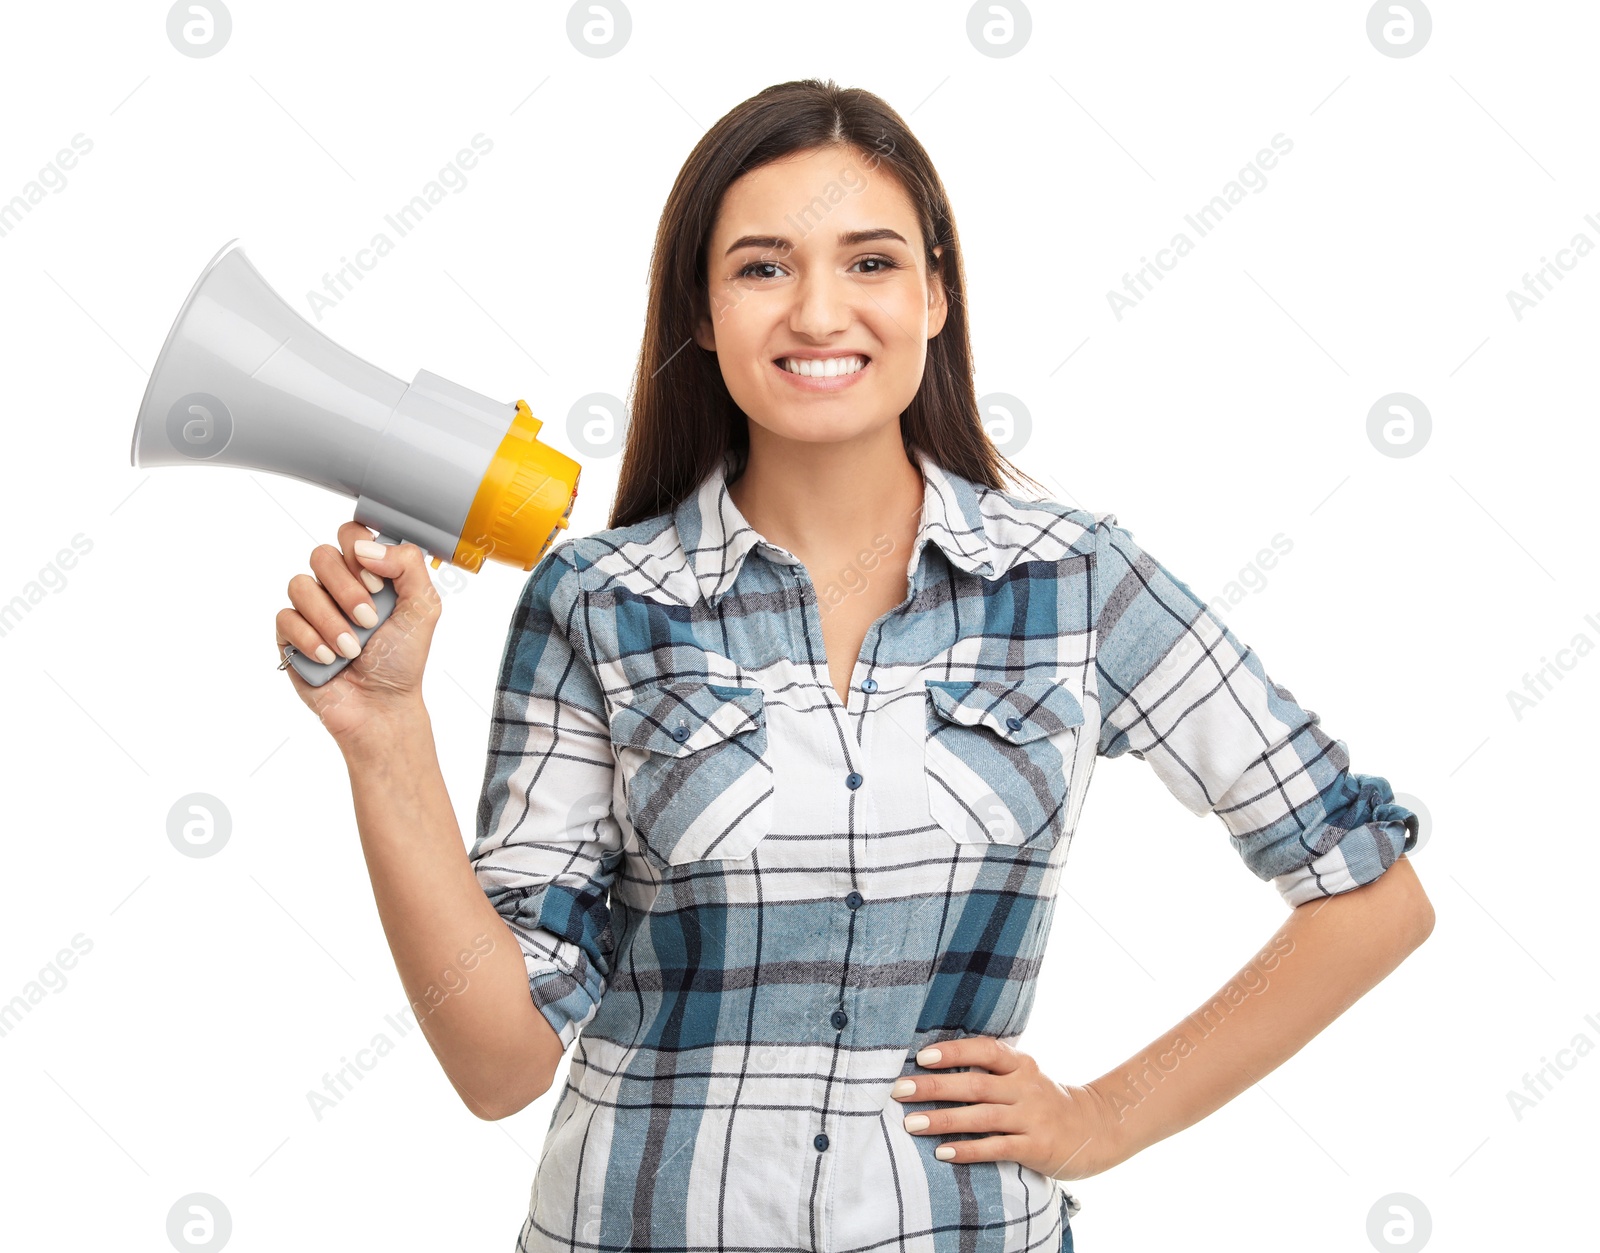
(382, 734)
(1112, 1126)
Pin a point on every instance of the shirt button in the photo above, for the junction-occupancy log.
(840, 1018)
(1014, 723)
(853, 900)
(869, 685)
(821, 1142)
(680, 732)
(852, 780)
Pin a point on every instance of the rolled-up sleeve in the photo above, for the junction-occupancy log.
(1179, 691)
(547, 846)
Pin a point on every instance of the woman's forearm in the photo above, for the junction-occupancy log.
(460, 965)
(1327, 955)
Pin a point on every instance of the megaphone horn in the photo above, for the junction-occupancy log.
(243, 380)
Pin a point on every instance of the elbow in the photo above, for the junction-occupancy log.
(506, 1101)
(526, 1071)
(1414, 907)
(1422, 919)
(1392, 912)
(487, 1113)
(494, 1113)
(515, 1100)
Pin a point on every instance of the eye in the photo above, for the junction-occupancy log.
(754, 265)
(883, 264)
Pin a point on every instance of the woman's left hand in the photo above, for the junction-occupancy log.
(1060, 1131)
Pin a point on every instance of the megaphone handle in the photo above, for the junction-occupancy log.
(312, 670)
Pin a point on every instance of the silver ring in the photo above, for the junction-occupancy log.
(285, 650)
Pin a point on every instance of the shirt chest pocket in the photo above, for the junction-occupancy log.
(999, 759)
(695, 768)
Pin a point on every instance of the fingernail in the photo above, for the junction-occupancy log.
(373, 582)
(928, 1057)
(369, 548)
(944, 1152)
(347, 644)
(324, 654)
(904, 1088)
(916, 1122)
(365, 615)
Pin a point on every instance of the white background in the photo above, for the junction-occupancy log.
(1229, 406)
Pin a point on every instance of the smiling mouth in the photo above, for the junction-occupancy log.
(823, 368)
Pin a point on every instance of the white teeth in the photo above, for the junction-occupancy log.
(825, 368)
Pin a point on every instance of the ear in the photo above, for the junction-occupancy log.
(703, 334)
(938, 299)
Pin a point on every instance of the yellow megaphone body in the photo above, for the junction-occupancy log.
(243, 380)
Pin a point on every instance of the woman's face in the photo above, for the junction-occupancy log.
(816, 264)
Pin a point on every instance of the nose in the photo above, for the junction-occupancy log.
(822, 305)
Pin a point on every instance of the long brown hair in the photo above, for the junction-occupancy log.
(683, 419)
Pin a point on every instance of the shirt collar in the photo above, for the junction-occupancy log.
(716, 538)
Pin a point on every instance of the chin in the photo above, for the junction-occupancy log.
(819, 430)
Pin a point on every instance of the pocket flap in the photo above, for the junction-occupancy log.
(1018, 710)
(676, 719)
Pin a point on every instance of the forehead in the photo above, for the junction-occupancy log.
(834, 187)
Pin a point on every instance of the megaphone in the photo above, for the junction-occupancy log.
(243, 380)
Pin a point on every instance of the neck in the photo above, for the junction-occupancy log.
(820, 500)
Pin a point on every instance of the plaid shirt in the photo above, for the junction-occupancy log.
(758, 902)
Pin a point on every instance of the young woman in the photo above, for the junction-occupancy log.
(785, 765)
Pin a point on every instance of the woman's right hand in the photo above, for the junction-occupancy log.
(385, 678)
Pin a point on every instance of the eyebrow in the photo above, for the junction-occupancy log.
(846, 239)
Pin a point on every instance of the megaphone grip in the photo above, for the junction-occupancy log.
(383, 601)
